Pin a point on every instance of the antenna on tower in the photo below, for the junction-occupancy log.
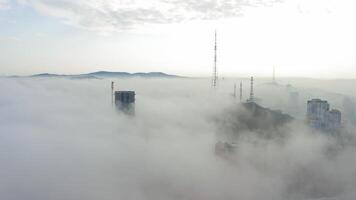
(112, 93)
(241, 91)
(274, 74)
(215, 74)
(251, 91)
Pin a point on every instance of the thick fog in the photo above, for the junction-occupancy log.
(61, 139)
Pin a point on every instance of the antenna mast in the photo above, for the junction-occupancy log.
(241, 91)
(215, 74)
(274, 74)
(251, 92)
(235, 90)
(112, 93)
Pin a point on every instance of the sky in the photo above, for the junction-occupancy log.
(307, 38)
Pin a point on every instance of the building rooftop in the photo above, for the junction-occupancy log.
(317, 100)
(125, 92)
(335, 111)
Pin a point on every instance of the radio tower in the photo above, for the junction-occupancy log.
(241, 91)
(215, 74)
(112, 93)
(251, 92)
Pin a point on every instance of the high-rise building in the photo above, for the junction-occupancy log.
(334, 120)
(349, 110)
(317, 110)
(125, 101)
(319, 115)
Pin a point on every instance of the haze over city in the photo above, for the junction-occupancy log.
(177, 99)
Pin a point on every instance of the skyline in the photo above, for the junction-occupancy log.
(299, 38)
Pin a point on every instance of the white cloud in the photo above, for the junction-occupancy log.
(112, 15)
(60, 139)
(4, 4)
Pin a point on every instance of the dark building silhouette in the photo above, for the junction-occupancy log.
(319, 116)
(125, 101)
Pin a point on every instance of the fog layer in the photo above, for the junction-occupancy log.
(62, 139)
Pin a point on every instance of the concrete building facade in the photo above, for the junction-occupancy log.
(125, 101)
(334, 120)
(319, 115)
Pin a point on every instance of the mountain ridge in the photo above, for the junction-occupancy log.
(103, 74)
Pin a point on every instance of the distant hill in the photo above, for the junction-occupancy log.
(104, 74)
(81, 76)
(47, 75)
(260, 118)
(251, 117)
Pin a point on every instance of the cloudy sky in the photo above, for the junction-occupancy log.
(310, 38)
